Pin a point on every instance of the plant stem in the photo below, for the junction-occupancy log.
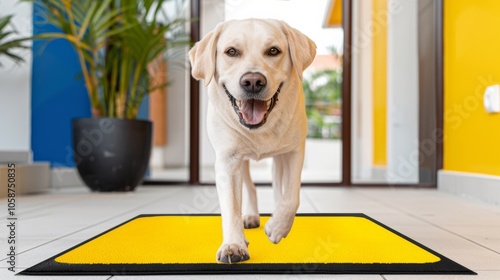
(88, 75)
(133, 92)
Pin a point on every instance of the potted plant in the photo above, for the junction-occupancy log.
(116, 42)
(6, 44)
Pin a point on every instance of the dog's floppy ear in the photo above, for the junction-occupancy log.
(302, 49)
(202, 56)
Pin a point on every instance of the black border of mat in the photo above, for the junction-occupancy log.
(444, 266)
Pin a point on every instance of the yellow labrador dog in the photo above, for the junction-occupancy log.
(253, 69)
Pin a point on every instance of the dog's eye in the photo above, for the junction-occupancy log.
(232, 52)
(273, 51)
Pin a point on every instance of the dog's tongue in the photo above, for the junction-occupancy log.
(253, 111)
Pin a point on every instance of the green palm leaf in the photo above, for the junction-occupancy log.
(6, 45)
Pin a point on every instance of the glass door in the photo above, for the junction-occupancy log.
(322, 82)
(395, 134)
(169, 107)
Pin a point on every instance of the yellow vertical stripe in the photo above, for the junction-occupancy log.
(379, 82)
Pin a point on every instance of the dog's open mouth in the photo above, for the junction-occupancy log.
(253, 113)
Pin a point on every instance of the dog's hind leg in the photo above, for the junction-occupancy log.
(251, 217)
(277, 180)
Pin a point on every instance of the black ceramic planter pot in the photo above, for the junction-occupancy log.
(111, 154)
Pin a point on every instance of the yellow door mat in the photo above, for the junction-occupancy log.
(186, 244)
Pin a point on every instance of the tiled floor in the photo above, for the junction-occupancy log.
(465, 231)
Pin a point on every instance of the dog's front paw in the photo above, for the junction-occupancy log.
(232, 253)
(251, 221)
(276, 229)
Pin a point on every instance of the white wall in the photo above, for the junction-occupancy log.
(470, 185)
(176, 152)
(362, 91)
(402, 93)
(15, 84)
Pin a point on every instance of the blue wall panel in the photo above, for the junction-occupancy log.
(58, 95)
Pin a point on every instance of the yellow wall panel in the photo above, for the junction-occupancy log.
(380, 83)
(471, 63)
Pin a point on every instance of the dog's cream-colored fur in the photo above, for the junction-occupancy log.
(233, 49)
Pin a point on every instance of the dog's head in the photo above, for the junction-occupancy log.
(250, 60)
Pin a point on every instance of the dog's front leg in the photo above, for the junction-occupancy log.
(286, 184)
(229, 181)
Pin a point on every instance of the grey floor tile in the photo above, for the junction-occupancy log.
(457, 248)
(257, 277)
(7, 275)
(434, 206)
(342, 200)
(487, 236)
(482, 275)
(188, 200)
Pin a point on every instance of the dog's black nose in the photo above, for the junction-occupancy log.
(253, 82)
